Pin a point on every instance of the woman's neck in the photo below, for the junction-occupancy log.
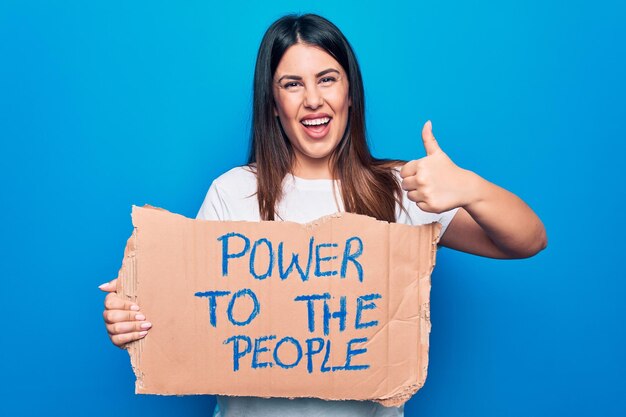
(317, 170)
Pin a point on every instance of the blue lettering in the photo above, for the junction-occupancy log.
(319, 259)
(360, 306)
(238, 353)
(227, 255)
(212, 295)
(341, 315)
(298, 355)
(255, 309)
(349, 256)
(310, 307)
(258, 349)
(325, 367)
(304, 275)
(310, 351)
(253, 258)
(354, 352)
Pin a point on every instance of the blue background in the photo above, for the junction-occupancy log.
(108, 104)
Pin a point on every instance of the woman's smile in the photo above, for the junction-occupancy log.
(316, 125)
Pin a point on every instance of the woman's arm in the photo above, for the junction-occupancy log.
(498, 225)
(491, 221)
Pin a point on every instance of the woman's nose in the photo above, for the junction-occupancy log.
(313, 98)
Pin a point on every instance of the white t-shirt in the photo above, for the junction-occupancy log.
(232, 196)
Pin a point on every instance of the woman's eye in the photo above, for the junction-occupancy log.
(291, 85)
(328, 80)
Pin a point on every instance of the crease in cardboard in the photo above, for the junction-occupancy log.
(127, 289)
(137, 266)
(389, 274)
(407, 390)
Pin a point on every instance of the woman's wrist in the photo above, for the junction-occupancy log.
(475, 189)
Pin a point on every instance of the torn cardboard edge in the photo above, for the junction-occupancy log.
(128, 288)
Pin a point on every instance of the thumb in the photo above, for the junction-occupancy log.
(430, 143)
(110, 286)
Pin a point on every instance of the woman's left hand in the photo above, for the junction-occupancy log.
(434, 182)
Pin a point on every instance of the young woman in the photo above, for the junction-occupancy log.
(309, 158)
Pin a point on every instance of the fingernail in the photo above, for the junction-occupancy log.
(146, 325)
(140, 317)
(142, 334)
(134, 307)
(103, 285)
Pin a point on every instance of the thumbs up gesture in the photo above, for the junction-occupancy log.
(435, 183)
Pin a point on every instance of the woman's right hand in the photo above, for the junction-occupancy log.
(123, 319)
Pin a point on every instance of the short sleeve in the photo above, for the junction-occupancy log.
(445, 218)
(213, 205)
(413, 215)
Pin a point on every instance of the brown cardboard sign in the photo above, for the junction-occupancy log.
(335, 309)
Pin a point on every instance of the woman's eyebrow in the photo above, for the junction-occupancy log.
(299, 78)
(326, 71)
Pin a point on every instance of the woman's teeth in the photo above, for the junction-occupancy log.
(316, 122)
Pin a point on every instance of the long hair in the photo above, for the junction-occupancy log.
(368, 185)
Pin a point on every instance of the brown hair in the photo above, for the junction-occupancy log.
(368, 185)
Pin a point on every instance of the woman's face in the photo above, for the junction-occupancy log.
(312, 103)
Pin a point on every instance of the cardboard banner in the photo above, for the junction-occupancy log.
(335, 309)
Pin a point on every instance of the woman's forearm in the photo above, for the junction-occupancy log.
(511, 228)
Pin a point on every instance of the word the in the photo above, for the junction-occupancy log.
(364, 302)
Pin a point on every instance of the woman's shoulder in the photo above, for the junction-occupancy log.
(238, 178)
(231, 196)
